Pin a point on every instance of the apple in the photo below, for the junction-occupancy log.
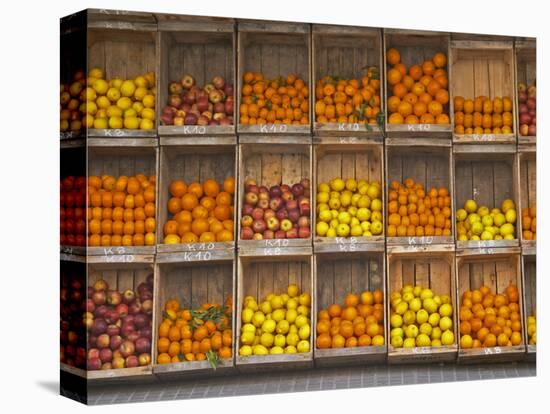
(118, 362)
(218, 82)
(101, 311)
(280, 234)
(178, 121)
(115, 342)
(90, 305)
(275, 191)
(249, 183)
(263, 204)
(305, 183)
(226, 121)
(263, 195)
(524, 129)
(215, 96)
(187, 81)
(93, 364)
(175, 88)
(144, 359)
(259, 226)
(219, 107)
(103, 341)
(291, 204)
(304, 221)
(263, 189)
(175, 101)
(257, 213)
(247, 221)
(251, 198)
(304, 232)
(305, 209)
(141, 320)
(297, 190)
(229, 106)
(122, 309)
(209, 87)
(147, 306)
(113, 330)
(106, 355)
(99, 327)
(273, 223)
(190, 119)
(286, 225)
(269, 234)
(531, 103)
(127, 348)
(93, 353)
(268, 214)
(134, 308)
(532, 91)
(287, 195)
(525, 118)
(143, 344)
(294, 215)
(258, 236)
(128, 296)
(532, 130)
(114, 298)
(229, 90)
(247, 233)
(247, 209)
(202, 103)
(282, 214)
(101, 285)
(292, 233)
(276, 203)
(523, 108)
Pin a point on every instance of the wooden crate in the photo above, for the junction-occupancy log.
(270, 165)
(480, 67)
(435, 270)
(335, 277)
(496, 272)
(345, 52)
(430, 166)
(120, 277)
(529, 272)
(192, 285)
(359, 161)
(202, 47)
(117, 161)
(259, 277)
(123, 44)
(488, 178)
(527, 189)
(194, 164)
(526, 71)
(274, 49)
(416, 46)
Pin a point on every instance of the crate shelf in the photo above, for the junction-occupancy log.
(527, 189)
(334, 277)
(526, 72)
(529, 272)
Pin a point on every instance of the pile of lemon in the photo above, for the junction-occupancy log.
(120, 103)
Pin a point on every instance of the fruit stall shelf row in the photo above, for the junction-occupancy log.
(495, 272)
(529, 272)
(527, 187)
(526, 71)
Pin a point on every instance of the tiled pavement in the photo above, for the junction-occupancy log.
(310, 380)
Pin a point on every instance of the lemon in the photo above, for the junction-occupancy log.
(278, 315)
(147, 113)
(511, 216)
(301, 320)
(100, 86)
(140, 81)
(436, 332)
(396, 320)
(499, 219)
(344, 217)
(352, 210)
(89, 121)
(100, 123)
(258, 319)
(422, 316)
(445, 323)
(148, 101)
(113, 94)
(138, 107)
(103, 102)
(483, 211)
(434, 319)
(507, 229)
(89, 94)
(334, 203)
(409, 343)
(401, 307)
(245, 350)
(305, 299)
(409, 317)
(248, 327)
(378, 340)
(486, 235)
(130, 113)
(146, 124)
(292, 339)
(447, 338)
(430, 305)
(131, 122)
(322, 228)
(265, 307)
(276, 350)
(355, 199)
(282, 327)
(291, 315)
(436, 342)
(140, 93)
(331, 232)
(96, 73)
(356, 231)
(426, 329)
(423, 340)
(276, 302)
(91, 108)
(397, 341)
(266, 339)
(269, 326)
(304, 332)
(303, 346)
(101, 113)
(323, 188)
(247, 338)
(446, 310)
(343, 230)
(116, 122)
(290, 349)
(461, 214)
(127, 88)
(293, 329)
(470, 206)
(337, 184)
(291, 304)
(260, 350)
(373, 191)
(124, 103)
(280, 340)
(507, 205)
(323, 197)
(114, 111)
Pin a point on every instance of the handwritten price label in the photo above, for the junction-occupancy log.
(272, 251)
(194, 129)
(419, 127)
(114, 132)
(491, 351)
(276, 243)
(347, 140)
(421, 351)
(420, 240)
(199, 256)
(346, 245)
(123, 258)
(483, 137)
(274, 128)
(200, 246)
(349, 127)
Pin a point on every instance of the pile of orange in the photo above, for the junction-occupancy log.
(121, 211)
(360, 322)
(348, 101)
(413, 212)
(185, 336)
(419, 94)
(488, 320)
(529, 223)
(278, 101)
(200, 212)
(483, 115)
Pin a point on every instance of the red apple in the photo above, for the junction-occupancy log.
(280, 234)
(531, 103)
(269, 234)
(532, 91)
(282, 214)
(143, 345)
(248, 183)
(93, 364)
(115, 342)
(202, 103)
(259, 226)
(293, 215)
(228, 89)
(305, 209)
(147, 306)
(106, 355)
(247, 233)
(257, 213)
(101, 285)
(175, 101)
(304, 222)
(268, 213)
(297, 190)
(275, 191)
(190, 119)
(263, 195)
(524, 130)
(276, 203)
(114, 298)
(93, 353)
(263, 204)
(99, 327)
(287, 195)
(113, 330)
(291, 204)
(218, 82)
(246, 221)
(292, 233)
(103, 341)
(532, 130)
(247, 209)
(215, 96)
(525, 118)
(229, 107)
(127, 348)
(304, 232)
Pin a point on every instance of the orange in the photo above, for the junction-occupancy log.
(178, 188)
(334, 310)
(428, 67)
(346, 329)
(170, 227)
(207, 237)
(351, 300)
(222, 212)
(395, 118)
(415, 71)
(149, 210)
(208, 203)
(405, 108)
(149, 194)
(401, 68)
(164, 358)
(378, 296)
(199, 212)
(442, 96)
(399, 90)
(324, 341)
(174, 205)
(199, 226)
(224, 236)
(394, 76)
(393, 56)
(223, 198)
(133, 186)
(439, 60)
(338, 341)
(189, 201)
(200, 333)
(393, 103)
(150, 224)
(196, 189)
(211, 188)
(163, 344)
(435, 108)
(189, 237)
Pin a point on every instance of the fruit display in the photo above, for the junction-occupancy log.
(349, 208)
(72, 101)
(348, 100)
(280, 324)
(527, 97)
(120, 103)
(529, 223)
(483, 115)
(283, 100)
(413, 212)
(532, 329)
(119, 326)
(418, 94)
(420, 318)
(475, 222)
(488, 319)
(72, 220)
(73, 330)
(200, 212)
(199, 334)
(121, 211)
(279, 212)
(190, 104)
(359, 322)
